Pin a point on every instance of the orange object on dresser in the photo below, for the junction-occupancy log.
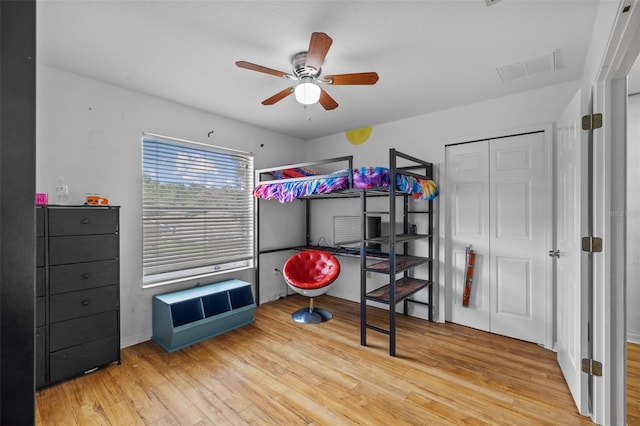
(96, 200)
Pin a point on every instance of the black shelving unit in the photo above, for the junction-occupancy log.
(400, 264)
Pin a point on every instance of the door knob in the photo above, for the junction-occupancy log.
(554, 253)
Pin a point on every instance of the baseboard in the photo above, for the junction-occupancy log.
(633, 337)
(133, 340)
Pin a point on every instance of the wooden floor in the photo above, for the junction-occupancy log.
(275, 371)
(633, 384)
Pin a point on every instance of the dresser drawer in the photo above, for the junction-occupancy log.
(79, 359)
(41, 371)
(41, 311)
(39, 222)
(83, 276)
(41, 281)
(82, 221)
(85, 248)
(40, 243)
(77, 331)
(82, 303)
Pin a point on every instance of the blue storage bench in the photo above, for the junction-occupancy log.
(185, 317)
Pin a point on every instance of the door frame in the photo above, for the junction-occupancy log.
(610, 98)
(446, 296)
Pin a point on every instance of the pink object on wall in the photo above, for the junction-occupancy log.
(42, 199)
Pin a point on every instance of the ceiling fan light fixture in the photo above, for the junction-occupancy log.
(307, 93)
(306, 70)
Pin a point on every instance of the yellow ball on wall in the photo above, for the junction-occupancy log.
(358, 136)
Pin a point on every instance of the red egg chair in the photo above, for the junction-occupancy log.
(311, 273)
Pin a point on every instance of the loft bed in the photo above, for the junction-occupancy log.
(337, 178)
(289, 183)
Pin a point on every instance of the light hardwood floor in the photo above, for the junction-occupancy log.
(633, 384)
(275, 371)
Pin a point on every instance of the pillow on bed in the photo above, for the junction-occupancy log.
(278, 174)
(370, 177)
(294, 172)
(428, 190)
(300, 172)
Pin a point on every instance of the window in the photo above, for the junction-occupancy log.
(197, 210)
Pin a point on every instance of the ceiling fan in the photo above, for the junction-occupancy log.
(306, 70)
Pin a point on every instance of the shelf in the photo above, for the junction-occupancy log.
(405, 287)
(402, 263)
(346, 251)
(400, 238)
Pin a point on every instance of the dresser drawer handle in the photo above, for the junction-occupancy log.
(85, 303)
(84, 221)
(86, 275)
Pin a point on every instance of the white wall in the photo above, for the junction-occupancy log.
(425, 137)
(633, 219)
(89, 134)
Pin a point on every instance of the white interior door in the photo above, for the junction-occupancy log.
(519, 182)
(467, 169)
(571, 297)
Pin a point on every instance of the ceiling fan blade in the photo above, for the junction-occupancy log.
(278, 96)
(260, 68)
(327, 101)
(357, 78)
(318, 48)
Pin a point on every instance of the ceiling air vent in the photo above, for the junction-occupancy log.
(527, 67)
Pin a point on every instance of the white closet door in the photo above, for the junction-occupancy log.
(498, 196)
(519, 216)
(467, 170)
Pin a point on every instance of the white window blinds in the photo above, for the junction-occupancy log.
(197, 209)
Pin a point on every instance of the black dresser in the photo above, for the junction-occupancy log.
(77, 291)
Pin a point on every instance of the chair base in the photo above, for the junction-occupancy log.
(311, 315)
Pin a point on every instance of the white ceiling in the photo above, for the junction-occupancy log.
(430, 55)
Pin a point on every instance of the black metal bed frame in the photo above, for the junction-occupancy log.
(390, 263)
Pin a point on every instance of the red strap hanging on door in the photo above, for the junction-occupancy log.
(470, 262)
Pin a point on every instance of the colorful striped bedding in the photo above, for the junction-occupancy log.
(363, 178)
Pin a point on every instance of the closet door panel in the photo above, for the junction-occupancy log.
(468, 219)
(518, 239)
(468, 202)
(513, 210)
(512, 281)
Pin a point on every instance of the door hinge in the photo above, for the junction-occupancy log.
(592, 244)
(591, 121)
(592, 367)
